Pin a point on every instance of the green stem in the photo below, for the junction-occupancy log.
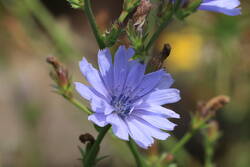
(123, 16)
(166, 20)
(195, 128)
(90, 158)
(179, 145)
(183, 141)
(78, 104)
(138, 158)
(156, 35)
(92, 22)
(209, 151)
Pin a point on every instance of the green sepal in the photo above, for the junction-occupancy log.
(192, 7)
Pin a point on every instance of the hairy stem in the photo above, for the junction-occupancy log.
(92, 22)
(90, 158)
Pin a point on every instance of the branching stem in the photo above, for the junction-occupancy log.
(78, 104)
(92, 22)
(90, 158)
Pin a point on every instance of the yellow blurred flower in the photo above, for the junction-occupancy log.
(186, 49)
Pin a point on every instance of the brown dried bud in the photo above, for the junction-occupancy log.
(213, 105)
(61, 76)
(53, 61)
(165, 52)
(87, 138)
(157, 61)
(141, 13)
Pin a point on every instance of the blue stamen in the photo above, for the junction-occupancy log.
(122, 104)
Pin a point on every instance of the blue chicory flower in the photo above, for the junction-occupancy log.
(227, 7)
(123, 96)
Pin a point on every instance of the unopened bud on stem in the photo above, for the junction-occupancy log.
(60, 74)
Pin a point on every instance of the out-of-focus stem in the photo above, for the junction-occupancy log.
(78, 104)
(92, 22)
(187, 136)
(90, 158)
(209, 151)
(48, 22)
(138, 158)
(179, 145)
(184, 139)
(123, 16)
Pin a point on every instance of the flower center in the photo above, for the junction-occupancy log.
(122, 104)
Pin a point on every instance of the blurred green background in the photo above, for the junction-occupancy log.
(210, 57)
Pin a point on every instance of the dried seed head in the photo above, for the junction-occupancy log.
(213, 105)
(141, 13)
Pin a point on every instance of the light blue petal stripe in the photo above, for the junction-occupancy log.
(106, 67)
(163, 96)
(93, 77)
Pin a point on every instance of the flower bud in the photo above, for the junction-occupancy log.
(87, 139)
(60, 74)
(141, 13)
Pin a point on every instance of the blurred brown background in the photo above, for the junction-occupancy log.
(210, 57)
